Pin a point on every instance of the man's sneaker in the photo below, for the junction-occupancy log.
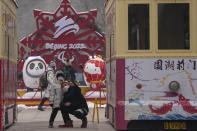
(40, 108)
(84, 123)
(68, 124)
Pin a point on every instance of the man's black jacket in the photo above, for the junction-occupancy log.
(75, 97)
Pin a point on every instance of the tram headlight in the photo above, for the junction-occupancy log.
(174, 86)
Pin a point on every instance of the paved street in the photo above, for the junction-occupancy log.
(34, 120)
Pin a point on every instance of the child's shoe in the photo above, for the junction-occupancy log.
(50, 125)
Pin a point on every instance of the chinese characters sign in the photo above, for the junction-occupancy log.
(175, 64)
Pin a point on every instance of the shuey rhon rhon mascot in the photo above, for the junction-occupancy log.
(94, 72)
(33, 68)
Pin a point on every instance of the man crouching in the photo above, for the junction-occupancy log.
(74, 103)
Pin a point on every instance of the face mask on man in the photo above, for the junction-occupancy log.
(65, 86)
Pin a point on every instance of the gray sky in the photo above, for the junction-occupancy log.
(26, 21)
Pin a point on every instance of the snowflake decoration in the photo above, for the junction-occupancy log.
(78, 39)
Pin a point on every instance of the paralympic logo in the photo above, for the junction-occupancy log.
(65, 25)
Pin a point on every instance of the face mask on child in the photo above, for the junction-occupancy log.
(60, 79)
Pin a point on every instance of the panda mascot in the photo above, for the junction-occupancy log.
(33, 68)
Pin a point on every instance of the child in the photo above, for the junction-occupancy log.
(56, 97)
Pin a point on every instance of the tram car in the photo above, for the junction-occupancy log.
(151, 56)
(8, 63)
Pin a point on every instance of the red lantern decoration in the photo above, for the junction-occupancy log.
(94, 73)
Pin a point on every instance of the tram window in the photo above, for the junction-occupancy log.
(138, 24)
(173, 26)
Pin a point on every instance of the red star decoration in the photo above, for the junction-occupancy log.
(35, 43)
